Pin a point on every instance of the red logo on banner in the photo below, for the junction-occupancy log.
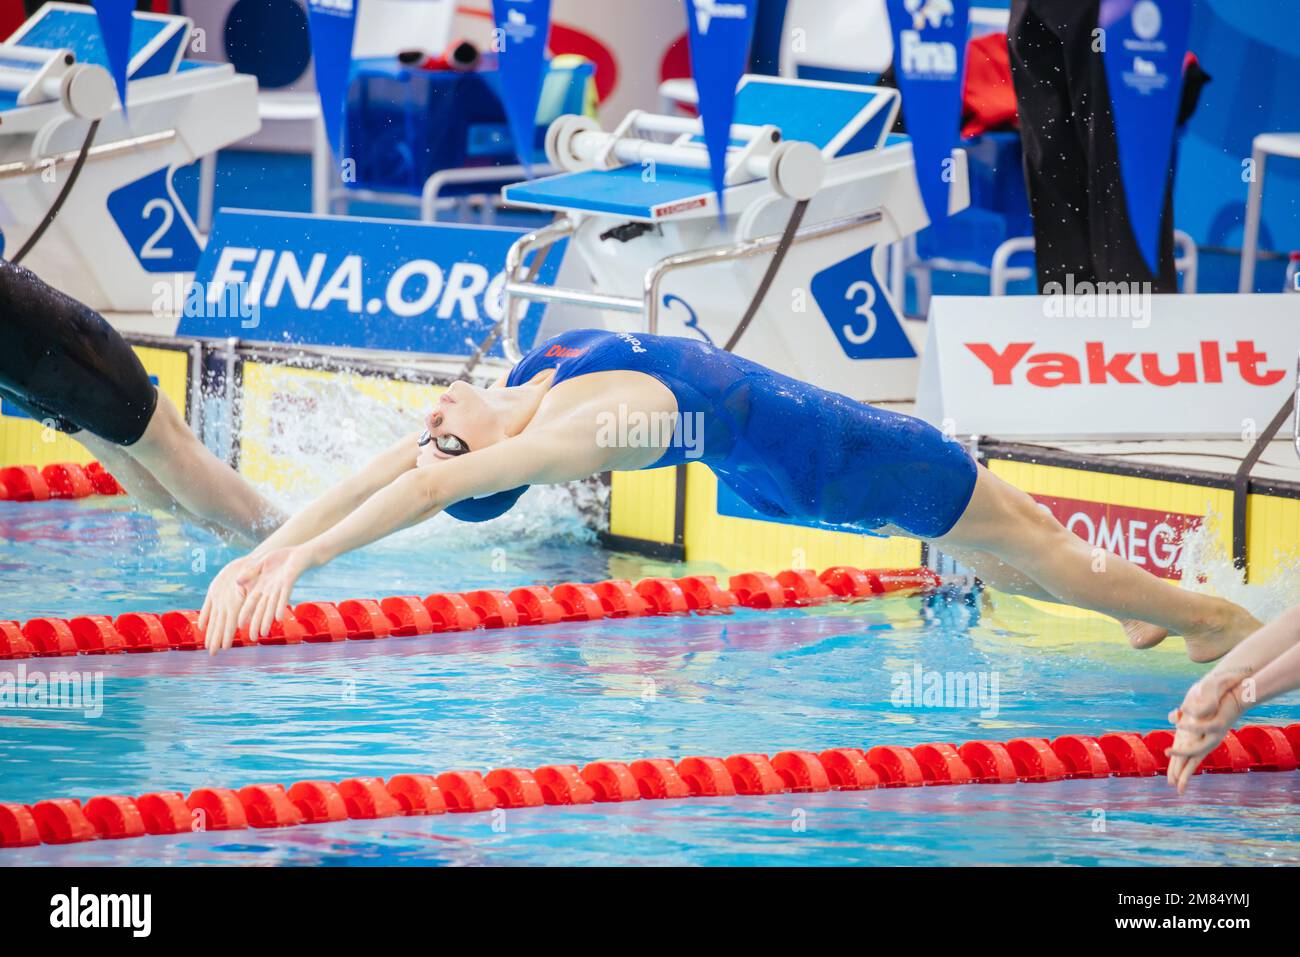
(1148, 538)
(680, 207)
(1101, 367)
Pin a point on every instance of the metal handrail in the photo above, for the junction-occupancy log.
(1295, 423)
(743, 250)
(548, 235)
(648, 304)
(577, 297)
(1241, 482)
(128, 145)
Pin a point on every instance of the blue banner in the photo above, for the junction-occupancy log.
(332, 24)
(1146, 41)
(719, 37)
(115, 24)
(522, 29)
(353, 282)
(929, 59)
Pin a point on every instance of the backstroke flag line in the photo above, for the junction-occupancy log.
(929, 61)
(1146, 41)
(719, 35)
(522, 28)
(115, 24)
(332, 24)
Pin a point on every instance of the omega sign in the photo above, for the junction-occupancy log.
(1148, 538)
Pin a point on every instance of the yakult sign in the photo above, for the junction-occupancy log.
(1194, 367)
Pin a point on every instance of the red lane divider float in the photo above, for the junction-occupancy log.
(27, 483)
(1026, 760)
(405, 616)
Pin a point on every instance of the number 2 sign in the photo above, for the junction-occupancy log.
(155, 224)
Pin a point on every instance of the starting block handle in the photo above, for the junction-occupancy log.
(648, 304)
(1296, 397)
(795, 169)
(688, 126)
(759, 245)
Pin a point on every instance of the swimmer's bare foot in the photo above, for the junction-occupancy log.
(1229, 628)
(1142, 634)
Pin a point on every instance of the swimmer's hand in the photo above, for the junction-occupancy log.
(1202, 724)
(222, 604)
(269, 586)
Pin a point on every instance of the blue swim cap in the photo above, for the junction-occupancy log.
(486, 508)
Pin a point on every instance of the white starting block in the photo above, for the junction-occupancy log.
(29, 75)
(639, 206)
(122, 227)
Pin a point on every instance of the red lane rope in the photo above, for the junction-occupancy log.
(404, 616)
(27, 483)
(69, 821)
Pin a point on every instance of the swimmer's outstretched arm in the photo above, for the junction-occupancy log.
(345, 497)
(225, 592)
(1262, 667)
(540, 456)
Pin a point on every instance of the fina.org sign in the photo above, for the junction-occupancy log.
(358, 283)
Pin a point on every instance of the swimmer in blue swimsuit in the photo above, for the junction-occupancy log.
(62, 364)
(591, 401)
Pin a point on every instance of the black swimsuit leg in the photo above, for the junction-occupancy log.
(65, 365)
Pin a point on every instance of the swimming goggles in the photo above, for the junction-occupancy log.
(446, 444)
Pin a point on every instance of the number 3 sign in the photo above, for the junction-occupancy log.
(858, 310)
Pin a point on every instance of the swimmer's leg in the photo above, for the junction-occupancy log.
(998, 574)
(145, 490)
(1006, 523)
(197, 480)
(63, 360)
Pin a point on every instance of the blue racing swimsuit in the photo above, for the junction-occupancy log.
(789, 449)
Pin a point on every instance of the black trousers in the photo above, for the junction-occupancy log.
(1067, 130)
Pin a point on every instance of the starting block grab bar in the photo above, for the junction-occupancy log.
(577, 143)
(130, 144)
(648, 303)
(1296, 402)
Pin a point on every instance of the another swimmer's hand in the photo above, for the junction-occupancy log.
(269, 587)
(221, 606)
(1201, 728)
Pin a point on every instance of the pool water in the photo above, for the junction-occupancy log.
(844, 675)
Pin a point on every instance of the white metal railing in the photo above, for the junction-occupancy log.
(648, 303)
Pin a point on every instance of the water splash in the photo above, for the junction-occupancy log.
(320, 427)
(1207, 567)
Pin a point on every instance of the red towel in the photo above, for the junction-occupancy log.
(988, 99)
